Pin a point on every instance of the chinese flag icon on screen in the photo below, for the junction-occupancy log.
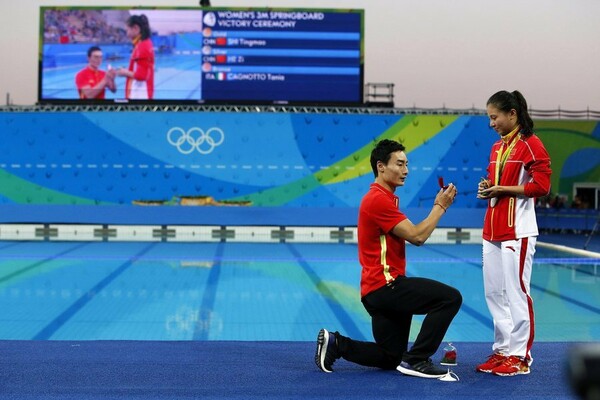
(221, 59)
(221, 41)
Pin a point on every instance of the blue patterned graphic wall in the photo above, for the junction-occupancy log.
(261, 159)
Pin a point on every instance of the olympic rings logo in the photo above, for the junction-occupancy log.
(195, 139)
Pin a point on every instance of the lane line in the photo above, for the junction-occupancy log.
(350, 328)
(50, 329)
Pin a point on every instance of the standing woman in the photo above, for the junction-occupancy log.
(140, 74)
(519, 171)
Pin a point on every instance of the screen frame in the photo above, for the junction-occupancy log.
(118, 101)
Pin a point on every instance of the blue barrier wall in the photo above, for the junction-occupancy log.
(296, 161)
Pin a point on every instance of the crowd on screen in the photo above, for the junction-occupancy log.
(81, 26)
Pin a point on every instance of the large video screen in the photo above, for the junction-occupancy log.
(201, 55)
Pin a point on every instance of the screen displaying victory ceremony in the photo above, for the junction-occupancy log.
(187, 55)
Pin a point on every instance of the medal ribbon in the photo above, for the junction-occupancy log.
(504, 152)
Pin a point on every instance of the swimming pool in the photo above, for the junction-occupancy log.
(256, 291)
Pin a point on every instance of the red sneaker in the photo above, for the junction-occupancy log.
(513, 365)
(492, 362)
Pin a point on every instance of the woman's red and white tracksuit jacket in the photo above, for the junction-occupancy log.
(513, 217)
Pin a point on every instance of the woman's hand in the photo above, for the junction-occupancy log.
(483, 189)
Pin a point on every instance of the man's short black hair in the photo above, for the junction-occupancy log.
(93, 49)
(382, 152)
